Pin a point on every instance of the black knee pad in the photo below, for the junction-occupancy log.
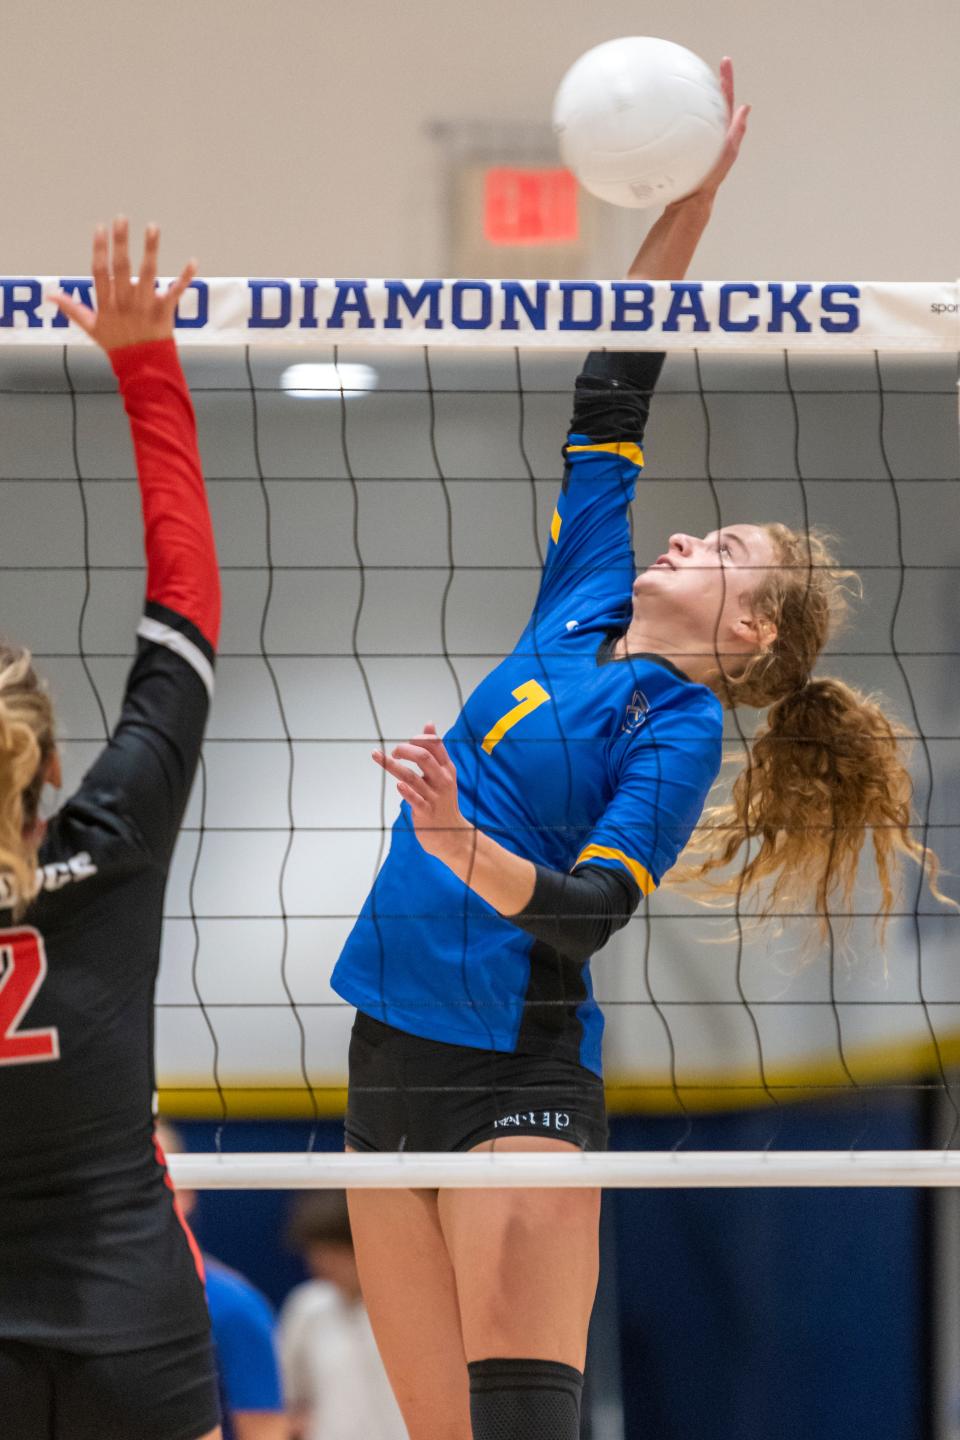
(524, 1400)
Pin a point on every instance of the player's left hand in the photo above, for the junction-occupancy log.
(737, 116)
(129, 312)
(430, 791)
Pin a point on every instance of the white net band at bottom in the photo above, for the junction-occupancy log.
(674, 1170)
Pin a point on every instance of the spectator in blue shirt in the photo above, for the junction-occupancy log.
(251, 1397)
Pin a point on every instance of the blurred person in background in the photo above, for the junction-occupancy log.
(334, 1380)
(251, 1397)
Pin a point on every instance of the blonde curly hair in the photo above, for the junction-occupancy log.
(26, 744)
(825, 770)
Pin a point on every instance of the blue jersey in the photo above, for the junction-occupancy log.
(564, 756)
(243, 1333)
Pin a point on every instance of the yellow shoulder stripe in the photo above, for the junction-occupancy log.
(625, 449)
(555, 524)
(644, 879)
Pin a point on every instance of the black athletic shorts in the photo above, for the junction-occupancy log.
(168, 1392)
(406, 1093)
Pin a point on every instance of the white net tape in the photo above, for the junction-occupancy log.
(673, 1170)
(840, 316)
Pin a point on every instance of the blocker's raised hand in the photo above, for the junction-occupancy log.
(128, 312)
(431, 790)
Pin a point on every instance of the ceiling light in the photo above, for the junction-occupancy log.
(328, 381)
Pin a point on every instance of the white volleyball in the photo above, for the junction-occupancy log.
(640, 121)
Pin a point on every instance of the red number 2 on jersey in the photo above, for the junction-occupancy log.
(23, 969)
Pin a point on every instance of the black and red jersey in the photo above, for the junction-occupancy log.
(93, 1255)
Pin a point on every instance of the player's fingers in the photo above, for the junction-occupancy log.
(74, 310)
(123, 290)
(146, 282)
(429, 737)
(410, 784)
(400, 772)
(419, 754)
(731, 148)
(151, 249)
(439, 768)
(738, 127)
(389, 765)
(435, 747)
(430, 740)
(726, 82)
(178, 286)
(101, 267)
(411, 796)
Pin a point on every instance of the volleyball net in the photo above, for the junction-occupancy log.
(383, 459)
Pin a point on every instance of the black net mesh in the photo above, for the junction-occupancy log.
(380, 551)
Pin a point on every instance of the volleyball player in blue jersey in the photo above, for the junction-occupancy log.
(566, 789)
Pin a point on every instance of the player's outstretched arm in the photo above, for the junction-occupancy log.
(589, 533)
(133, 324)
(671, 243)
(612, 401)
(149, 763)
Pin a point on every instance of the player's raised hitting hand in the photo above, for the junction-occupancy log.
(129, 311)
(671, 242)
(737, 116)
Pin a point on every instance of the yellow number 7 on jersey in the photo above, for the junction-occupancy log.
(531, 694)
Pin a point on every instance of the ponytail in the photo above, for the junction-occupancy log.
(825, 770)
(26, 743)
(824, 773)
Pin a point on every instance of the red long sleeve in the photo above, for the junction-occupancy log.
(182, 572)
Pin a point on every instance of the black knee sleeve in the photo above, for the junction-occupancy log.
(524, 1400)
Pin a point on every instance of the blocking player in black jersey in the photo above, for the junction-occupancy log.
(104, 1333)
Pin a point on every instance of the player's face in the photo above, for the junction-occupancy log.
(709, 581)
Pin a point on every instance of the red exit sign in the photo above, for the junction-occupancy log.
(530, 207)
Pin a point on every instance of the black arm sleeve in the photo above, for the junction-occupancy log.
(577, 914)
(612, 394)
(137, 789)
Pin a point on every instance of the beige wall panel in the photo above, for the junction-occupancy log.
(292, 137)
